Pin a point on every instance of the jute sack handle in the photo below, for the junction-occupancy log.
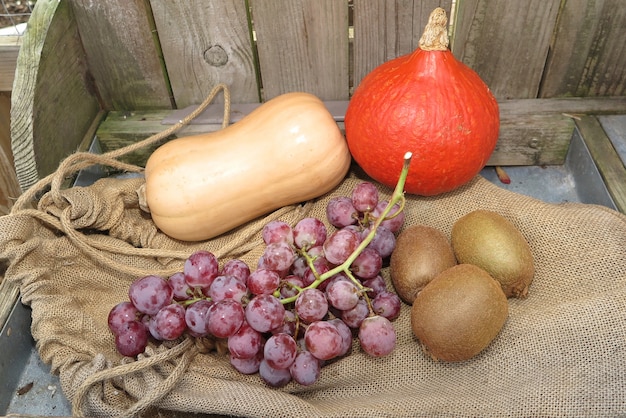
(81, 160)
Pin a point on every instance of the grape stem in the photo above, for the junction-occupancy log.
(396, 197)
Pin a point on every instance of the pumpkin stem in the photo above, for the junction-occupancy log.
(435, 36)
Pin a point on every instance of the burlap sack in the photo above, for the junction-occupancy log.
(562, 351)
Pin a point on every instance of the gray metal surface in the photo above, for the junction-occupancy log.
(28, 387)
(577, 180)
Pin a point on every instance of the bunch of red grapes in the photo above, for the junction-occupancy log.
(312, 292)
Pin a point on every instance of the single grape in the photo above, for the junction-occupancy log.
(150, 324)
(337, 277)
(392, 223)
(236, 268)
(306, 368)
(340, 245)
(247, 365)
(365, 197)
(309, 275)
(225, 318)
(377, 336)
(289, 324)
(280, 351)
(387, 304)
(367, 264)
(384, 241)
(272, 376)
(342, 294)
(246, 342)
(197, 318)
(311, 305)
(346, 335)
(299, 266)
(289, 286)
(200, 269)
(309, 232)
(316, 252)
(132, 339)
(355, 316)
(264, 313)
(120, 315)
(180, 288)
(340, 212)
(277, 231)
(323, 340)
(150, 293)
(227, 287)
(377, 284)
(277, 256)
(263, 282)
(170, 321)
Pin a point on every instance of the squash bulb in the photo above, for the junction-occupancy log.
(430, 104)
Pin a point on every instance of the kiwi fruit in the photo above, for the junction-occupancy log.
(420, 254)
(491, 242)
(459, 313)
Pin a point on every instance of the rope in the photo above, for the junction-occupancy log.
(185, 351)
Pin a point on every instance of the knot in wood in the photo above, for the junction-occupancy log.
(216, 56)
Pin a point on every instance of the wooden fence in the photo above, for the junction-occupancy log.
(82, 58)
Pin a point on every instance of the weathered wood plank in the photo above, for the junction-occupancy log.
(506, 42)
(533, 131)
(588, 55)
(9, 294)
(302, 46)
(204, 44)
(122, 53)
(615, 128)
(52, 101)
(9, 48)
(609, 163)
(384, 30)
(9, 187)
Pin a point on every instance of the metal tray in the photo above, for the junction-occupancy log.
(578, 180)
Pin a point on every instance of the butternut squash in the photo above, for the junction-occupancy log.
(286, 151)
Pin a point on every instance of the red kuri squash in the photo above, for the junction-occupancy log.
(431, 104)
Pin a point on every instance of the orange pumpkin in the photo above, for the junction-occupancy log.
(430, 104)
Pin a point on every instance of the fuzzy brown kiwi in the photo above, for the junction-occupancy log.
(459, 313)
(421, 253)
(490, 241)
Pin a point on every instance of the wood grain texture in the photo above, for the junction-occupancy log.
(9, 294)
(385, 29)
(9, 187)
(506, 42)
(607, 160)
(302, 46)
(52, 100)
(206, 43)
(532, 132)
(122, 53)
(588, 55)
